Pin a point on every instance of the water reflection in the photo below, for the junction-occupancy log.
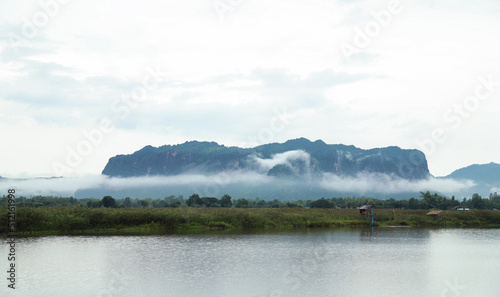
(309, 262)
(367, 234)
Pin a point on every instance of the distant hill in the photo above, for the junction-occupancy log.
(483, 173)
(486, 176)
(294, 158)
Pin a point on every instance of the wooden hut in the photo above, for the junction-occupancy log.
(434, 213)
(365, 209)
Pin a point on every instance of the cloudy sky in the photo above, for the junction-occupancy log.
(83, 81)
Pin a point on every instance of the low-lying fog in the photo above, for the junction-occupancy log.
(254, 184)
(246, 183)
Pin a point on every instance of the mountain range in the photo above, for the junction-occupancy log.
(294, 158)
(293, 170)
(299, 169)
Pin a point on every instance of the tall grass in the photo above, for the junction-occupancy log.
(72, 218)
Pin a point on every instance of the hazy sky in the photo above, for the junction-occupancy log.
(82, 81)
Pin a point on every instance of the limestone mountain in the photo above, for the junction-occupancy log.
(293, 158)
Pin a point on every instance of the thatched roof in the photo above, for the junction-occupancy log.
(434, 212)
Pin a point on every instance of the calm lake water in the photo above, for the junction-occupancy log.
(354, 262)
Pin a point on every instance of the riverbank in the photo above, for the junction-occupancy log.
(73, 219)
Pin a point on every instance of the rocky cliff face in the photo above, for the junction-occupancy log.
(293, 158)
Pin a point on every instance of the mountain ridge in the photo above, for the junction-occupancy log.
(488, 171)
(211, 157)
(485, 176)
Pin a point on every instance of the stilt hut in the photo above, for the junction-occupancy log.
(365, 209)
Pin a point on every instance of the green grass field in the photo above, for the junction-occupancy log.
(72, 218)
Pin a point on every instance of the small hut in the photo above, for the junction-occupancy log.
(434, 213)
(365, 209)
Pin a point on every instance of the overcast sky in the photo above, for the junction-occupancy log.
(83, 81)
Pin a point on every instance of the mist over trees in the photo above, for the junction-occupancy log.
(425, 201)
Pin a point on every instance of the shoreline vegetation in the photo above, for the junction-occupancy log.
(40, 215)
(75, 219)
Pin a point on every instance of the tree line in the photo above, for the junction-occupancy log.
(425, 201)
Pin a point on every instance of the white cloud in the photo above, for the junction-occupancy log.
(362, 184)
(68, 186)
(282, 158)
(225, 78)
(381, 183)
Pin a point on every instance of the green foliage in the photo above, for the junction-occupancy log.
(477, 202)
(210, 202)
(108, 201)
(225, 201)
(242, 203)
(144, 203)
(74, 218)
(94, 203)
(194, 201)
(127, 202)
(322, 203)
(426, 201)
